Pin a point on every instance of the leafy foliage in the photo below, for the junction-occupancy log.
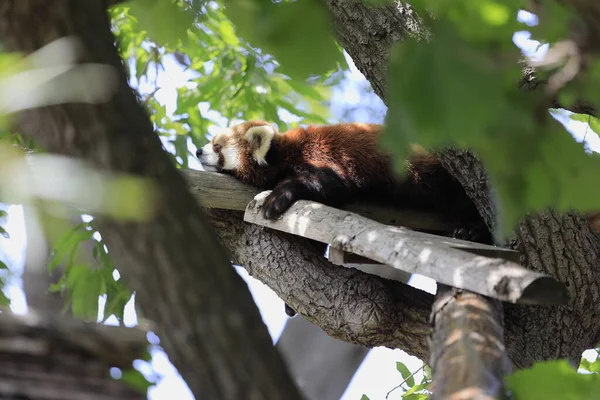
(591, 366)
(460, 89)
(553, 380)
(228, 80)
(411, 390)
(270, 26)
(84, 283)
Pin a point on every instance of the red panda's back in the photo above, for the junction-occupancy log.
(351, 150)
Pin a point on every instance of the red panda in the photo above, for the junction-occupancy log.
(335, 165)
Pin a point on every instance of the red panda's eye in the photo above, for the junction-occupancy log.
(216, 148)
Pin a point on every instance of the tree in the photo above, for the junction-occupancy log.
(558, 242)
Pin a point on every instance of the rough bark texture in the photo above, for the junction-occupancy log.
(347, 304)
(204, 313)
(561, 245)
(468, 357)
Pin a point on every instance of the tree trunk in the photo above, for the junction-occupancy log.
(204, 314)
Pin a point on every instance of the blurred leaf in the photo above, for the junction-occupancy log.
(593, 367)
(553, 380)
(4, 301)
(441, 92)
(136, 380)
(85, 285)
(165, 22)
(301, 52)
(416, 392)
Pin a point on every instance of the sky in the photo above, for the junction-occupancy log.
(377, 374)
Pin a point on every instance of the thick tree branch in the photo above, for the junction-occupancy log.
(204, 313)
(346, 303)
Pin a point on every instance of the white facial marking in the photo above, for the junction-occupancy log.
(231, 157)
(265, 134)
(209, 159)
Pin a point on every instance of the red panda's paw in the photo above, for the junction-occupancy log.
(477, 234)
(278, 202)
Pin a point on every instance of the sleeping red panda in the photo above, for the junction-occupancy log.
(335, 165)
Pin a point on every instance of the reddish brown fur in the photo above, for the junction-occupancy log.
(364, 170)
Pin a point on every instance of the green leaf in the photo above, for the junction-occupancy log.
(364, 397)
(406, 374)
(553, 380)
(593, 122)
(3, 233)
(426, 374)
(165, 22)
(85, 285)
(136, 380)
(301, 52)
(590, 366)
(4, 301)
(3, 265)
(416, 396)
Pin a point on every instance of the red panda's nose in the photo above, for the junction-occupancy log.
(199, 152)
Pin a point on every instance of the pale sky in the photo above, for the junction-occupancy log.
(377, 374)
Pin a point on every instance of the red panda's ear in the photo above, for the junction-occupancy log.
(259, 138)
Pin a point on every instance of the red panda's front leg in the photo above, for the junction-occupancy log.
(318, 184)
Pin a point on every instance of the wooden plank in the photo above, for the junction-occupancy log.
(414, 252)
(349, 260)
(216, 190)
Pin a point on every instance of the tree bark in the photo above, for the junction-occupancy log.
(204, 314)
(561, 245)
(346, 303)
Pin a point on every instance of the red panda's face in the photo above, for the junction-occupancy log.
(237, 148)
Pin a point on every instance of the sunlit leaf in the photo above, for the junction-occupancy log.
(406, 374)
(553, 380)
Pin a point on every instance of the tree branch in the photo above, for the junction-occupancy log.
(369, 310)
